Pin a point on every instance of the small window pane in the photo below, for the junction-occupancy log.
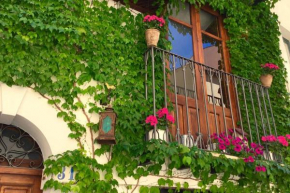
(183, 12)
(212, 50)
(181, 39)
(209, 23)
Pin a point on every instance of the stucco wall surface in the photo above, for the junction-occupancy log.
(282, 9)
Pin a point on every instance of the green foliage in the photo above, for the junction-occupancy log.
(59, 47)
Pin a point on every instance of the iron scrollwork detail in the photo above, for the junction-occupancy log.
(18, 148)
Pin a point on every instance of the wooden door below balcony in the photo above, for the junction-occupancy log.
(20, 180)
(193, 121)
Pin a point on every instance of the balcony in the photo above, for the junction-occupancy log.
(206, 101)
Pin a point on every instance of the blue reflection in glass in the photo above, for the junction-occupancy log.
(182, 39)
(206, 45)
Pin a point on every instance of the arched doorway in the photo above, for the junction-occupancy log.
(21, 161)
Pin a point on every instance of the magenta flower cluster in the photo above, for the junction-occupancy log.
(280, 139)
(236, 143)
(160, 113)
(154, 19)
(241, 146)
(249, 159)
(152, 120)
(260, 168)
(270, 66)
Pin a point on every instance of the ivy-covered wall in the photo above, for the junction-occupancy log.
(55, 47)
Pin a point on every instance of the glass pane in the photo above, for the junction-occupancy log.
(182, 45)
(212, 51)
(183, 12)
(209, 23)
(181, 39)
(213, 58)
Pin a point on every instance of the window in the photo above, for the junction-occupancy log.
(199, 35)
(287, 46)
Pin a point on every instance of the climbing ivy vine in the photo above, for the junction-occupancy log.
(68, 49)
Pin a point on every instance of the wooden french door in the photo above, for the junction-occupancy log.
(199, 34)
(20, 180)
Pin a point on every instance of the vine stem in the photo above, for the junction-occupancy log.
(136, 185)
(126, 185)
(89, 121)
(184, 178)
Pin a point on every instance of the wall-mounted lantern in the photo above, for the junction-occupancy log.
(107, 127)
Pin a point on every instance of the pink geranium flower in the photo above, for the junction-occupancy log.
(162, 112)
(238, 148)
(254, 145)
(152, 21)
(258, 168)
(170, 118)
(261, 169)
(227, 142)
(152, 120)
(259, 151)
(264, 138)
(222, 147)
(221, 141)
(249, 159)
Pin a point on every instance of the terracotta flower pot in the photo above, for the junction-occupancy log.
(266, 80)
(152, 37)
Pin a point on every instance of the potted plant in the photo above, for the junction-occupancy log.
(267, 76)
(153, 25)
(163, 120)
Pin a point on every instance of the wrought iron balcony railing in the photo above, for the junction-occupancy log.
(205, 101)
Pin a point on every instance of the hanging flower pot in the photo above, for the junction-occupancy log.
(153, 24)
(152, 37)
(266, 80)
(267, 76)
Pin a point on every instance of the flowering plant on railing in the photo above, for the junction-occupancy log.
(239, 147)
(269, 68)
(163, 119)
(277, 144)
(153, 22)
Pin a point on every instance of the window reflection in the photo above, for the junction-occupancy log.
(181, 45)
(181, 39)
(209, 23)
(212, 50)
(183, 13)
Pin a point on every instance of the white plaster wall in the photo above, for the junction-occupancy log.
(282, 9)
(28, 110)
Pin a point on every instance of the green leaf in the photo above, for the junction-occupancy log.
(154, 190)
(186, 160)
(161, 182)
(144, 189)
